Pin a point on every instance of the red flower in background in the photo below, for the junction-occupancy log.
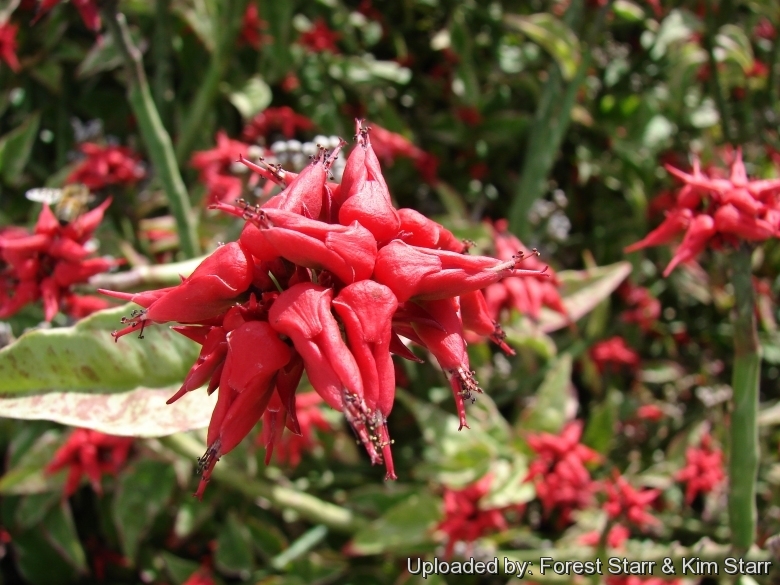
(703, 471)
(613, 352)
(528, 295)
(282, 119)
(464, 518)
(291, 446)
(202, 576)
(320, 38)
(252, 27)
(8, 45)
(107, 165)
(88, 10)
(390, 145)
(89, 453)
(733, 209)
(47, 263)
(563, 483)
(644, 309)
(304, 270)
(616, 537)
(626, 503)
(215, 169)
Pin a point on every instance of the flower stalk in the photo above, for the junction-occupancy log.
(308, 507)
(743, 432)
(154, 134)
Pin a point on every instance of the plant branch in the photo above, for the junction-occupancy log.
(743, 431)
(709, 45)
(154, 134)
(309, 507)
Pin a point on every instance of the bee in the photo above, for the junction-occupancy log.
(67, 203)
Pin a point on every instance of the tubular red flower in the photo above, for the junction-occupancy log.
(700, 231)
(477, 318)
(676, 221)
(364, 193)
(730, 220)
(346, 251)
(421, 273)
(446, 343)
(418, 230)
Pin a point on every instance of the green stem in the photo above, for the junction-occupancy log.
(163, 90)
(743, 431)
(208, 90)
(772, 79)
(551, 122)
(309, 507)
(156, 138)
(720, 102)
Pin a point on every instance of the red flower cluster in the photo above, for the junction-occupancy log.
(644, 309)
(252, 27)
(710, 208)
(289, 447)
(626, 503)
(314, 249)
(107, 165)
(562, 482)
(616, 537)
(320, 38)
(464, 519)
(703, 471)
(89, 453)
(613, 352)
(88, 10)
(389, 145)
(47, 263)
(215, 168)
(282, 119)
(8, 45)
(529, 295)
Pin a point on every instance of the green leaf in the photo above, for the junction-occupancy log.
(553, 36)
(33, 509)
(105, 55)
(142, 492)
(27, 476)
(60, 531)
(178, 569)
(508, 487)
(548, 411)
(458, 457)
(16, 146)
(732, 44)
(49, 74)
(234, 549)
(86, 358)
(252, 98)
(600, 432)
(405, 526)
(582, 291)
(38, 562)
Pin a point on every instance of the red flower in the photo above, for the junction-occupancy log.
(252, 27)
(47, 263)
(626, 503)
(644, 309)
(282, 119)
(616, 537)
(8, 45)
(89, 453)
(88, 10)
(736, 209)
(288, 449)
(107, 165)
(320, 38)
(525, 295)
(613, 352)
(200, 577)
(364, 194)
(464, 519)
(389, 145)
(320, 292)
(703, 471)
(562, 482)
(215, 168)
(650, 412)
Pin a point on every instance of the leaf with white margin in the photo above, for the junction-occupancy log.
(138, 413)
(582, 291)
